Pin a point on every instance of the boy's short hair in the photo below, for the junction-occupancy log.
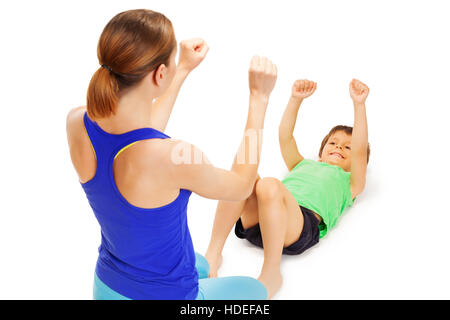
(348, 130)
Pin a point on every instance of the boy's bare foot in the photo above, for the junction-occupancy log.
(215, 261)
(272, 281)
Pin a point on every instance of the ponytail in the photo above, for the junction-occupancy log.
(102, 95)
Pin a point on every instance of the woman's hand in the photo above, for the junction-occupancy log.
(192, 52)
(262, 76)
(303, 88)
(358, 91)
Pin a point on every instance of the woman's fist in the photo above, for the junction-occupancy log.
(192, 52)
(262, 76)
(303, 88)
(358, 91)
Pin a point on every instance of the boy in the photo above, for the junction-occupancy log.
(291, 215)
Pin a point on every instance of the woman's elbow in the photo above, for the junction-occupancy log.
(241, 192)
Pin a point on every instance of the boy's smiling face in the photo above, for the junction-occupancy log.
(337, 150)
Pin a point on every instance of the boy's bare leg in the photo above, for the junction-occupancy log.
(227, 213)
(281, 223)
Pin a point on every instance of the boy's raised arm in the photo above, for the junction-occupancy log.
(359, 92)
(300, 90)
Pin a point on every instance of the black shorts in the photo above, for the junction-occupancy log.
(308, 238)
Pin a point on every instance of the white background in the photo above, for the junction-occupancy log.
(392, 244)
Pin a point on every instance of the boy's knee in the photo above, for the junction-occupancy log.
(268, 189)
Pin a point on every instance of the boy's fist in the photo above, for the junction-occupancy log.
(358, 91)
(303, 88)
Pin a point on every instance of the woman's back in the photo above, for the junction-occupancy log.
(145, 252)
(138, 171)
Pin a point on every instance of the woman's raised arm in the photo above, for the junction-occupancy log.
(192, 53)
(191, 169)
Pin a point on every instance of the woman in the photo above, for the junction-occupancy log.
(138, 180)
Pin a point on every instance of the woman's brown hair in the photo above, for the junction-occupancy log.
(132, 44)
(348, 130)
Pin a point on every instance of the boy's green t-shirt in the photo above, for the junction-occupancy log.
(322, 188)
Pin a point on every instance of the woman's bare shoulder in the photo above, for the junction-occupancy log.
(73, 119)
(74, 123)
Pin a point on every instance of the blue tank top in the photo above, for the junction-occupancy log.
(144, 253)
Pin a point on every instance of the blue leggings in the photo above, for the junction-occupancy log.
(226, 288)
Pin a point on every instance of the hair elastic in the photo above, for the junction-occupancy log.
(107, 67)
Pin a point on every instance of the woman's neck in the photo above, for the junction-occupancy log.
(133, 111)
